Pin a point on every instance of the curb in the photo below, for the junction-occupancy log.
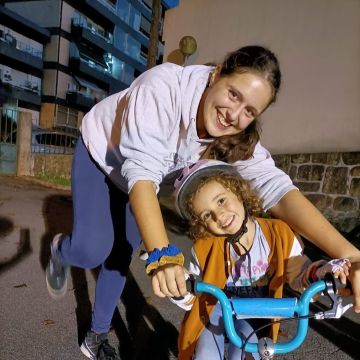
(46, 184)
(35, 181)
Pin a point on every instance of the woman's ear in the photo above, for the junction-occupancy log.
(215, 75)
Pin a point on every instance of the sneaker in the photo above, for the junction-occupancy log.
(96, 346)
(56, 273)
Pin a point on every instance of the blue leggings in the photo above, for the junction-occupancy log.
(210, 345)
(104, 233)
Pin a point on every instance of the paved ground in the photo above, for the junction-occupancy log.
(32, 325)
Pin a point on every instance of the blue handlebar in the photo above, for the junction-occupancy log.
(270, 308)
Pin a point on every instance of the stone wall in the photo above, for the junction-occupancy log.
(331, 181)
(51, 165)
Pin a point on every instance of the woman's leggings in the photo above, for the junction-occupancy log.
(211, 345)
(104, 233)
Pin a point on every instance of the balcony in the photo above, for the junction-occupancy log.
(19, 55)
(99, 8)
(83, 30)
(27, 95)
(79, 100)
(109, 5)
(142, 8)
(90, 68)
(23, 26)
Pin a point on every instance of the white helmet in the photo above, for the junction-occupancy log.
(190, 178)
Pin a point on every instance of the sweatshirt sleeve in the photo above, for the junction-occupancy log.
(269, 182)
(299, 267)
(150, 126)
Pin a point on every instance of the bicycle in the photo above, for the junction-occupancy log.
(285, 308)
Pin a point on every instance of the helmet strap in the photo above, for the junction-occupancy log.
(235, 238)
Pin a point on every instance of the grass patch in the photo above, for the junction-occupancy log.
(58, 180)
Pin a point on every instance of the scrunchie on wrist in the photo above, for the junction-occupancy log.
(167, 255)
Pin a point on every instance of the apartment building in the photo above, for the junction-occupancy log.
(21, 62)
(85, 50)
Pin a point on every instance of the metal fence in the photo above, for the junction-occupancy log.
(57, 140)
(8, 125)
(8, 151)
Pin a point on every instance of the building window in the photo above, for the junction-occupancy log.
(66, 117)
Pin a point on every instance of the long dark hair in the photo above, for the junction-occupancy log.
(263, 62)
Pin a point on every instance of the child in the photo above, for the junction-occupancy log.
(238, 252)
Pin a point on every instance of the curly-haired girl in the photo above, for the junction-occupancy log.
(245, 255)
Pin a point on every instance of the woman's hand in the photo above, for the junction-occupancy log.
(169, 280)
(354, 278)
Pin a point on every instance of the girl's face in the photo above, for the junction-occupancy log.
(219, 209)
(231, 103)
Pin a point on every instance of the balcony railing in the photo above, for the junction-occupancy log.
(27, 85)
(93, 65)
(19, 45)
(80, 22)
(108, 5)
(28, 49)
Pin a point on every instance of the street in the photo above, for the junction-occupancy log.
(33, 326)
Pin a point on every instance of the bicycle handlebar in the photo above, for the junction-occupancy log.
(274, 308)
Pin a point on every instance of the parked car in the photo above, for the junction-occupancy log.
(52, 141)
(49, 141)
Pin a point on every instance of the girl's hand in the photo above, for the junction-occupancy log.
(354, 278)
(169, 280)
(339, 268)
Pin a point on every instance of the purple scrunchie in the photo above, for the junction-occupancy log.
(156, 254)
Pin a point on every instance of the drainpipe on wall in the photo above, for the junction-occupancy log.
(154, 34)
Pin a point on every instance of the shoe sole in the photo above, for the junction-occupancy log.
(57, 294)
(86, 352)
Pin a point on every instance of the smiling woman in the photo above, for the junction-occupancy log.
(250, 79)
(232, 103)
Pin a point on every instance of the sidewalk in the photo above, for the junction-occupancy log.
(33, 326)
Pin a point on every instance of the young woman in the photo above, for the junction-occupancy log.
(242, 254)
(137, 139)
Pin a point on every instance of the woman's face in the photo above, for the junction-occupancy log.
(231, 103)
(219, 209)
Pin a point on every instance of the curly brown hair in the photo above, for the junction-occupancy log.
(234, 183)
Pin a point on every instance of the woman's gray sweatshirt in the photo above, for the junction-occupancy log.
(148, 132)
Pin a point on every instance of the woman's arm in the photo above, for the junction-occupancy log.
(305, 219)
(168, 280)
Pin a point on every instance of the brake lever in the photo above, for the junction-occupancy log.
(337, 308)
